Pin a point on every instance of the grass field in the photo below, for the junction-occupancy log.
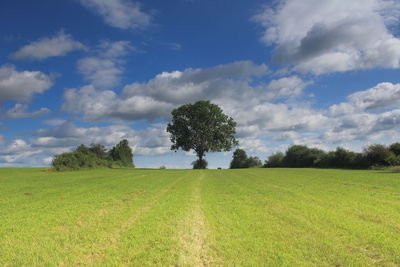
(249, 217)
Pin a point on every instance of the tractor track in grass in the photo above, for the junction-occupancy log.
(193, 232)
(97, 256)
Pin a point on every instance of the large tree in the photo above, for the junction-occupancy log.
(122, 152)
(203, 127)
(239, 159)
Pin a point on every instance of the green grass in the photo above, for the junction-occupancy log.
(249, 217)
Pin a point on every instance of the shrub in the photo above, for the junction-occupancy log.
(122, 153)
(200, 164)
(393, 160)
(275, 160)
(66, 161)
(253, 162)
(95, 156)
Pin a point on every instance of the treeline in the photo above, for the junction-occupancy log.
(95, 156)
(241, 160)
(298, 156)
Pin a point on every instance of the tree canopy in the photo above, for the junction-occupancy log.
(95, 156)
(202, 127)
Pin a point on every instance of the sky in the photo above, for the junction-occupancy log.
(317, 73)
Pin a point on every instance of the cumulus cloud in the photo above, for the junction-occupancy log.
(58, 45)
(17, 152)
(45, 143)
(21, 85)
(153, 140)
(20, 111)
(383, 95)
(103, 70)
(328, 36)
(157, 97)
(123, 14)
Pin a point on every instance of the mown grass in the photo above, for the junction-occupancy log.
(249, 217)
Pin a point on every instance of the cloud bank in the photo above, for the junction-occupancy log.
(321, 37)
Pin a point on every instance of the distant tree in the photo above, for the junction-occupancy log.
(122, 153)
(99, 150)
(83, 149)
(253, 162)
(377, 155)
(203, 127)
(393, 160)
(395, 149)
(302, 157)
(239, 159)
(275, 160)
(163, 167)
(65, 161)
(200, 164)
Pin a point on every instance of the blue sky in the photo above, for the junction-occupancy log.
(323, 74)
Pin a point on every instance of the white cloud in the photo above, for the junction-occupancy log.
(45, 143)
(328, 36)
(58, 45)
(21, 85)
(123, 14)
(383, 95)
(153, 140)
(20, 111)
(105, 68)
(17, 152)
(156, 98)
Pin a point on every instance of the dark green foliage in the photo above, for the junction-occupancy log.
(395, 149)
(99, 150)
(393, 160)
(95, 156)
(239, 159)
(203, 127)
(66, 161)
(341, 158)
(275, 160)
(376, 155)
(301, 156)
(200, 164)
(122, 153)
(253, 162)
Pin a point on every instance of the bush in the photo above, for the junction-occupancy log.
(393, 160)
(65, 161)
(253, 162)
(122, 153)
(275, 160)
(95, 156)
(200, 164)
